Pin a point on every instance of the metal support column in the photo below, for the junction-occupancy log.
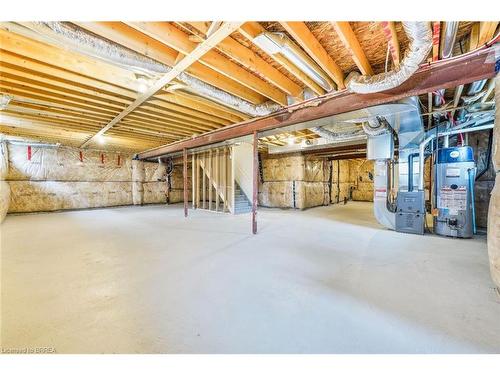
(255, 181)
(184, 173)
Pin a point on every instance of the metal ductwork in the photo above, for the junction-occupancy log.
(376, 126)
(340, 132)
(81, 41)
(475, 92)
(407, 124)
(280, 43)
(420, 35)
(448, 37)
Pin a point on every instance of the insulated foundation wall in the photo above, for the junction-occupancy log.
(484, 185)
(4, 186)
(50, 178)
(293, 181)
(494, 205)
(176, 193)
(299, 181)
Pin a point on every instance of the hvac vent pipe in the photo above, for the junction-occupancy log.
(420, 35)
(84, 42)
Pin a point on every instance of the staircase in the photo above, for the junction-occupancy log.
(241, 203)
(210, 180)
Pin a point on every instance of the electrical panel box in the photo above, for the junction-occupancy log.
(455, 172)
(410, 214)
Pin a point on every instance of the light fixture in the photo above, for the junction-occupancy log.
(100, 139)
(274, 43)
(306, 142)
(142, 83)
(290, 140)
(4, 101)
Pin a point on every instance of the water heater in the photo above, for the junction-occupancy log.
(455, 172)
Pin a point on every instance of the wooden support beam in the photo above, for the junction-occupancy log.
(487, 31)
(185, 177)
(225, 30)
(429, 110)
(489, 91)
(444, 74)
(456, 99)
(255, 181)
(436, 35)
(389, 28)
(306, 39)
(350, 41)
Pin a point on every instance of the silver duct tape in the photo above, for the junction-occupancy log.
(82, 41)
(420, 36)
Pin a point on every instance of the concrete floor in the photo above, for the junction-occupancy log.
(325, 280)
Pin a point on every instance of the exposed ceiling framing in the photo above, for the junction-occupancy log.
(64, 96)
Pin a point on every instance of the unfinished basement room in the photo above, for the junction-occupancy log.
(223, 187)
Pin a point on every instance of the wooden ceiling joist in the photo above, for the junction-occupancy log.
(254, 62)
(443, 74)
(351, 42)
(486, 31)
(224, 30)
(60, 93)
(137, 41)
(187, 107)
(305, 38)
(188, 116)
(168, 34)
(250, 30)
(389, 28)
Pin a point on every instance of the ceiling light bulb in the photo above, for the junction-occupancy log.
(142, 84)
(291, 141)
(142, 87)
(101, 139)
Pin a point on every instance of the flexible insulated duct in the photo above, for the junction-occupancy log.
(340, 133)
(420, 35)
(376, 126)
(448, 37)
(82, 41)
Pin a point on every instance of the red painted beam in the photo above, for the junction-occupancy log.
(449, 73)
(184, 173)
